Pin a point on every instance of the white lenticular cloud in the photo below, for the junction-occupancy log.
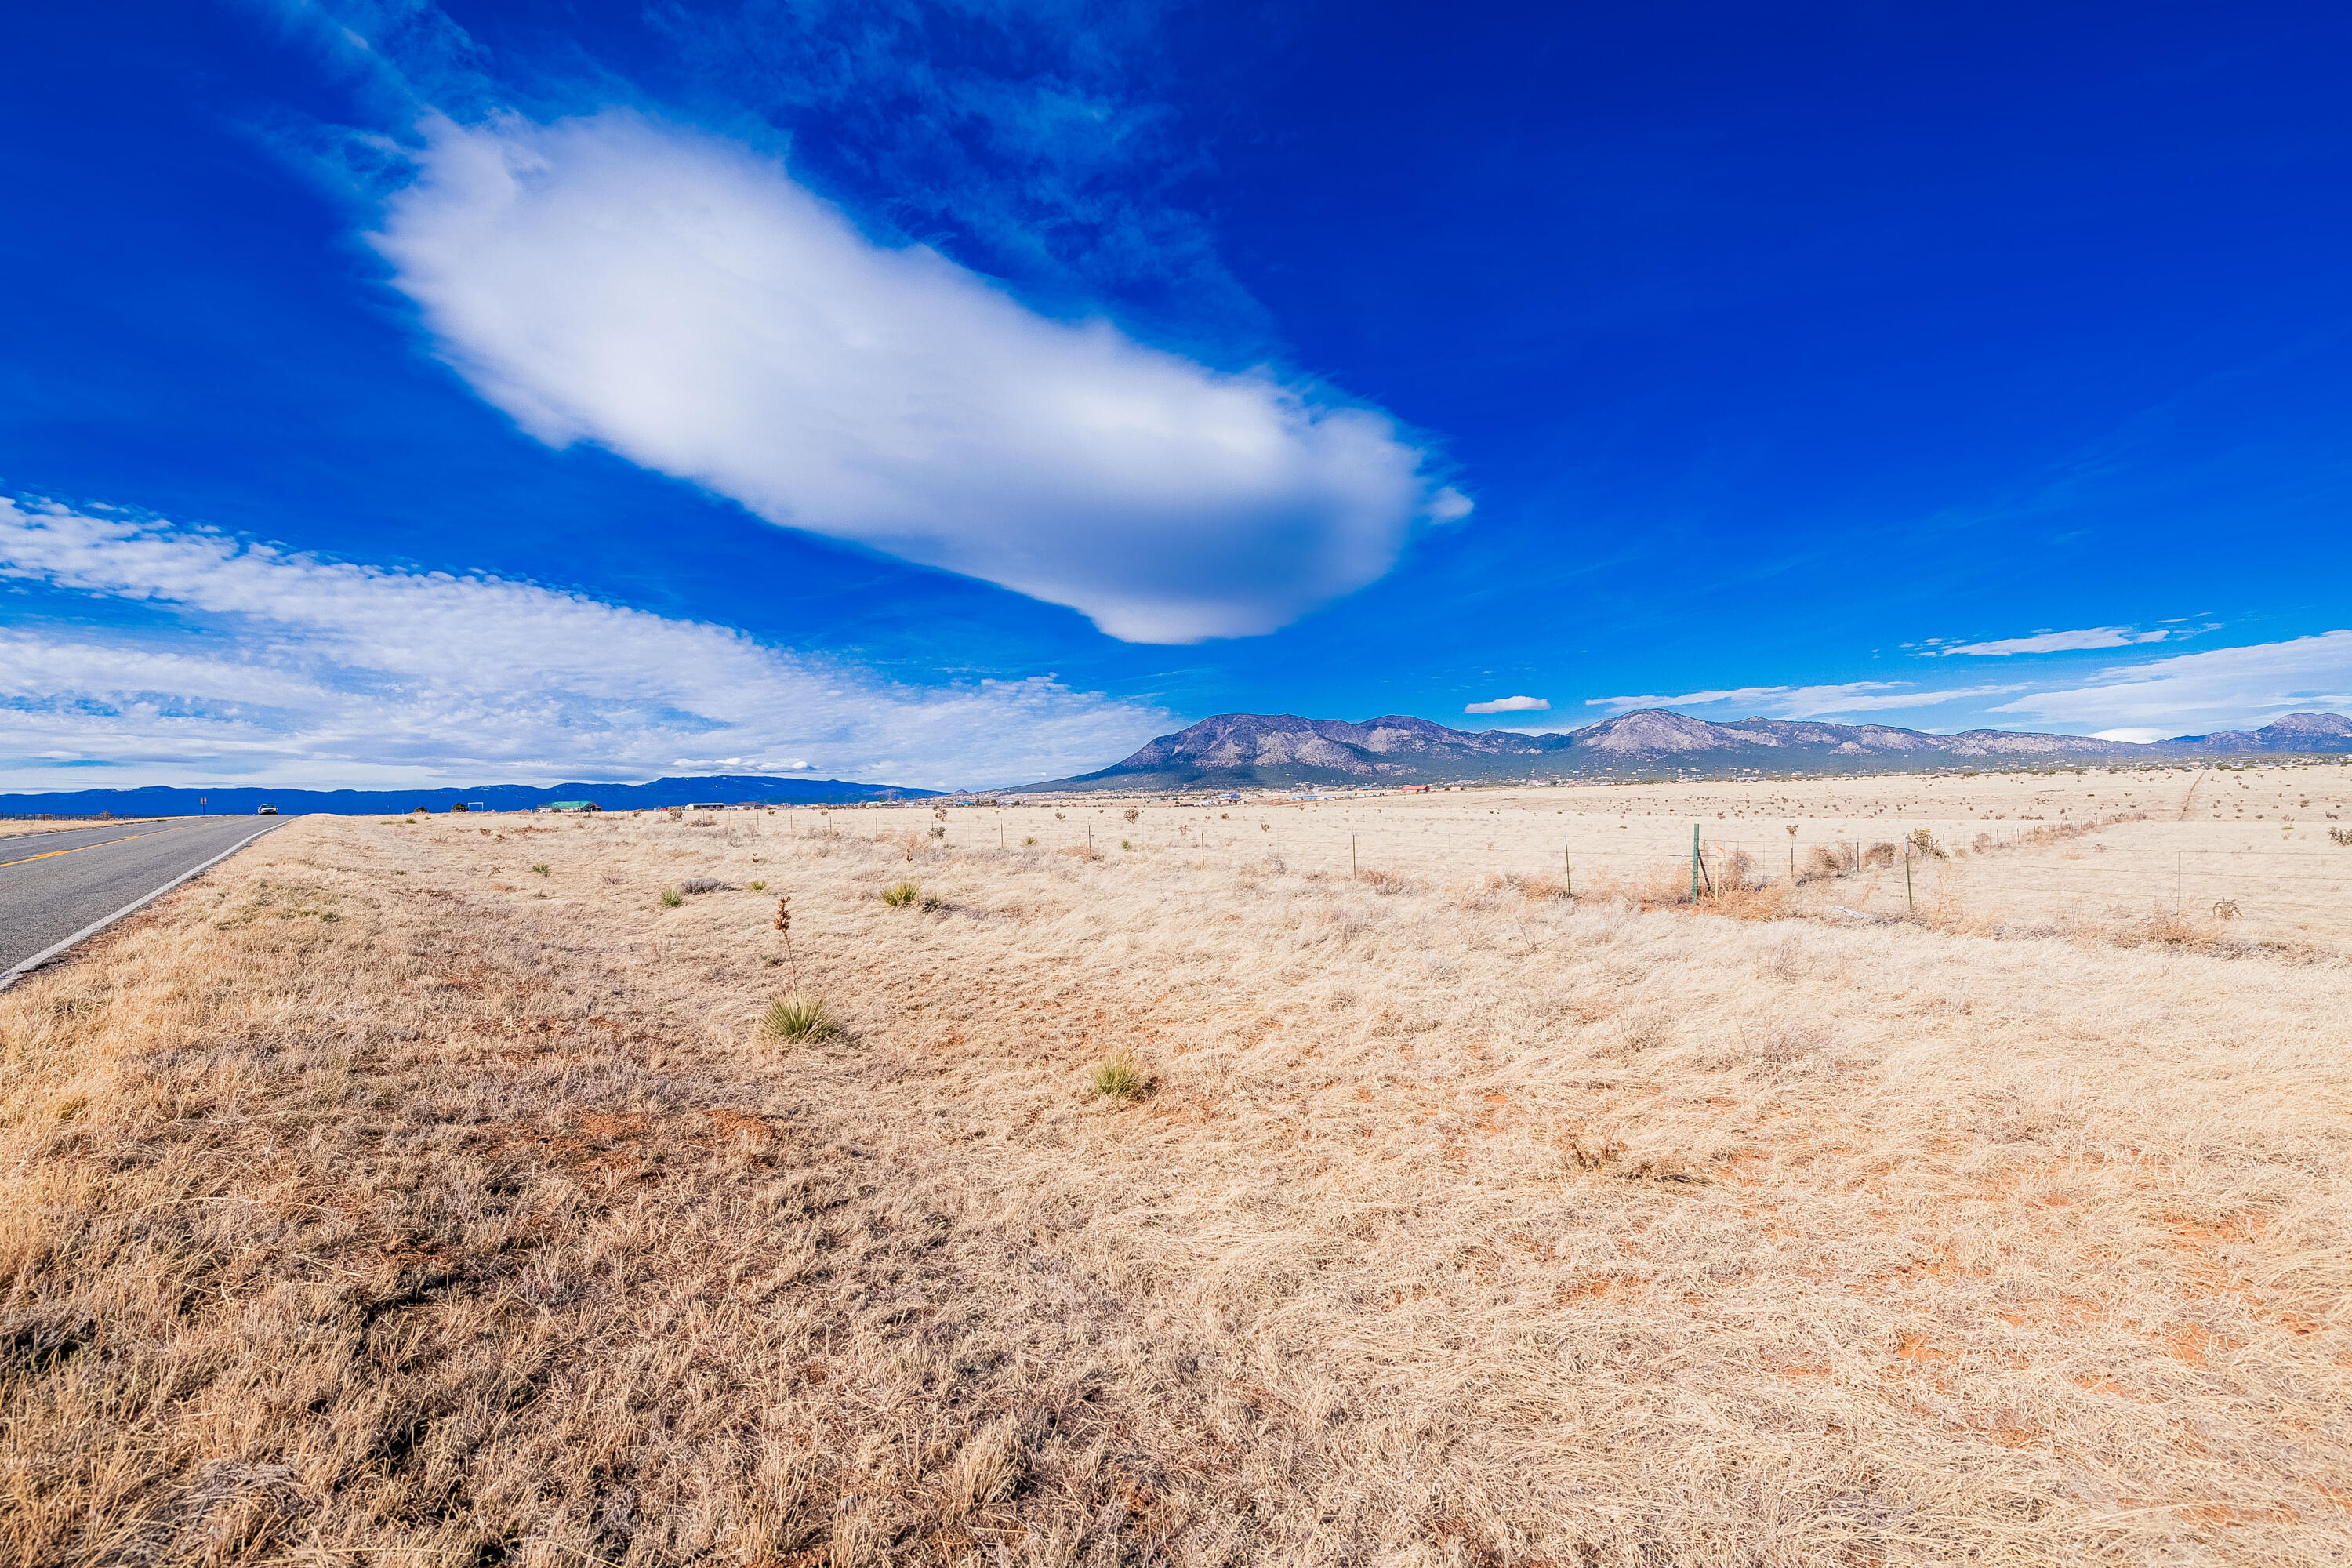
(221, 659)
(1510, 705)
(681, 300)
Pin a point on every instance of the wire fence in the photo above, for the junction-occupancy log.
(2283, 879)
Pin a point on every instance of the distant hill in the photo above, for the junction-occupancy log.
(1238, 751)
(160, 800)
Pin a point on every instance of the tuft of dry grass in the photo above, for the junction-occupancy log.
(1459, 1226)
(1118, 1078)
(898, 895)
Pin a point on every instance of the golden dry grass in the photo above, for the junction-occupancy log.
(2097, 853)
(373, 1201)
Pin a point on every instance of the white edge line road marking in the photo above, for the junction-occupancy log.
(132, 908)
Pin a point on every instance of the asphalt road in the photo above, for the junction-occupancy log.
(54, 885)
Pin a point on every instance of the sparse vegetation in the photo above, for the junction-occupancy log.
(540, 868)
(759, 887)
(898, 895)
(694, 887)
(671, 897)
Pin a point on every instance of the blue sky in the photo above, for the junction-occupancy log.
(965, 393)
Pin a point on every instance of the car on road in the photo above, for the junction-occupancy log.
(264, 811)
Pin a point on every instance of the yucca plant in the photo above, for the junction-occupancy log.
(793, 1016)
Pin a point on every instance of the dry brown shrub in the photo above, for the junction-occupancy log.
(1825, 860)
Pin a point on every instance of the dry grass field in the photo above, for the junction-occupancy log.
(383, 1198)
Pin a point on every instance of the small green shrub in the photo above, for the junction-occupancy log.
(1123, 843)
(1120, 1079)
(793, 1016)
(539, 866)
(759, 887)
(898, 895)
(1028, 841)
(672, 897)
(933, 903)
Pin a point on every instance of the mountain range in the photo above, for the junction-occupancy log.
(162, 800)
(1236, 751)
(1278, 751)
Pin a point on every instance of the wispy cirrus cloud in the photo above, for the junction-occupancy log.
(1803, 701)
(190, 654)
(2051, 642)
(2218, 689)
(1510, 705)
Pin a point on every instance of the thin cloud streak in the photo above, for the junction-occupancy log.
(2220, 688)
(2052, 642)
(1805, 701)
(227, 659)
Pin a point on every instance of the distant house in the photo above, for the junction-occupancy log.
(572, 806)
(1413, 789)
(706, 805)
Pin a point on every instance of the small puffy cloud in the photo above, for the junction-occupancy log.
(2050, 642)
(682, 300)
(2195, 693)
(189, 655)
(1510, 705)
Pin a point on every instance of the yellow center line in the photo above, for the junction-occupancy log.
(78, 848)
